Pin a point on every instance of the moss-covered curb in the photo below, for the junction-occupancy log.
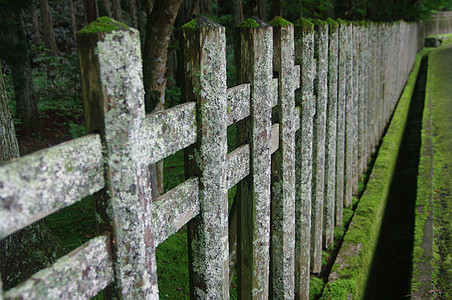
(432, 255)
(349, 273)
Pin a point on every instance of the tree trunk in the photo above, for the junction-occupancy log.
(237, 13)
(19, 63)
(35, 25)
(47, 27)
(72, 14)
(262, 10)
(8, 142)
(117, 10)
(33, 248)
(133, 13)
(277, 8)
(91, 10)
(158, 34)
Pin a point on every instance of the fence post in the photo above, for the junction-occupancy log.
(110, 61)
(318, 176)
(254, 56)
(354, 108)
(341, 103)
(349, 90)
(283, 166)
(204, 55)
(304, 56)
(331, 134)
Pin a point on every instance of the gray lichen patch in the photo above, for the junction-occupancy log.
(166, 132)
(34, 186)
(174, 209)
(79, 275)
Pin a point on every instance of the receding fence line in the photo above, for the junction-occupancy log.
(295, 171)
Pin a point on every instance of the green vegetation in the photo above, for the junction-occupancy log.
(433, 227)
(355, 256)
(103, 24)
(279, 22)
(249, 23)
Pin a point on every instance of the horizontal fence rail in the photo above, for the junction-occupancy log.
(312, 103)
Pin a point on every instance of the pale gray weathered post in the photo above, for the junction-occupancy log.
(360, 100)
(283, 166)
(254, 57)
(111, 72)
(348, 173)
(341, 103)
(203, 47)
(318, 171)
(354, 108)
(304, 55)
(331, 135)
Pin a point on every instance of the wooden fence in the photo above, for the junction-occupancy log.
(312, 104)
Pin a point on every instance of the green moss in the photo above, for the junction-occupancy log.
(315, 287)
(305, 24)
(333, 25)
(339, 289)
(103, 24)
(248, 23)
(279, 22)
(190, 25)
(201, 22)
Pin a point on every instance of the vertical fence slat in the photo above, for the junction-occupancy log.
(283, 166)
(304, 55)
(354, 108)
(348, 173)
(254, 56)
(112, 82)
(205, 79)
(331, 135)
(318, 184)
(341, 103)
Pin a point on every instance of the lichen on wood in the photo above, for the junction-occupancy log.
(238, 103)
(36, 185)
(254, 54)
(318, 170)
(166, 132)
(304, 55)
(174, 209)
(81, 274)
(238, 165)
(112, 61)
(205, 69)
(283, 166)
(331, 135)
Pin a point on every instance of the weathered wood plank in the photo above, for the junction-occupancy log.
(274, 138)
(354, 108)
(253, 55)
(174, 209)
(168, 131)
(238, 165)
(204, 51)
(296, 116)
(297, 76)
(349, 90)
(274, 92)
(238, 103)
(282, 256)
(331, 135)
(80, 274)
(36, 185)
(304, 55)
(111, 72)
(341, 103)
(318, 170)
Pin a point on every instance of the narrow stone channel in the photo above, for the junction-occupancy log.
(391, 268)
